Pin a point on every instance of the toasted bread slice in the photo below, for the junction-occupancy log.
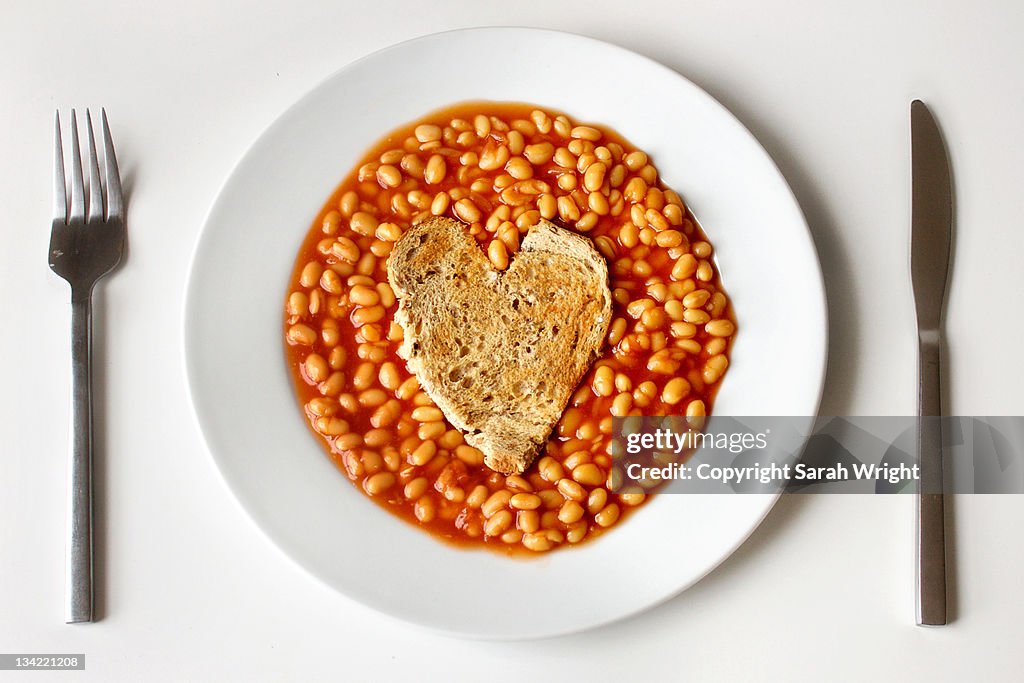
(500, 353)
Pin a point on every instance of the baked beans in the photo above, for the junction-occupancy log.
(500, 168)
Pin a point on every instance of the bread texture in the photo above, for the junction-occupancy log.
(500, 352)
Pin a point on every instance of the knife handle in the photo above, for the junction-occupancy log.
(931, 529)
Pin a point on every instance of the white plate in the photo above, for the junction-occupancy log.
(242, 392)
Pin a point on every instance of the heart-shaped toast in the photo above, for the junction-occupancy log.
(500, 353)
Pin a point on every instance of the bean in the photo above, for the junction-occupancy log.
(551, 500)
(662, 364)
(541, 120)
(587, 221)
(493, 157)
(536, 542)
(696, 298)
(519, 168)
(349, 441)
(621, 405)
(577, 532)
(336, 359)
(482, 125)
(608, 516)
(594, 176)
(408, 389)
(466, 210)
(720, 328)
(714, 367)
(431, 430)
(427, 132)
(716, 346)
(331, 426)
(635, 160)
(570, 512)
(469, 455)
(498, 524)
(567, 181)
(424, 510)
(365, 374)
(348, 204)
(423, 453)
(388, 176)
(596, 501)
(540, 153)
(363, 223)
(516, 142)
(684, 267)
(301, 335)
(477, 496)
(497, 252)
(632, 499)
(571, 490)
(436, 170)
(389, 377)
(373, 398)
(675, 390)
(525, 501)
(315, 368)
(321, 407)
(653, 318)
(718, 304)
(512, 536)
(588, 474)
(585, 133)
(669, 238)
(386, 414)
(427, 414)
(696, 316)
(604, 381)
(365, 316)
(364, 296)
(298, 304)
(518, 483)
(547, 206)
(564, 158)
(497, 501)
(616, 331)
(416, 488)
(310, 274)
(379, 483)
(528, 521)
(562, 126)
(567, 209)
(688, 345)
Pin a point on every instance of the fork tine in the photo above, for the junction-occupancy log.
(60, 190)
(77, 182)
(95, 190)
(115, 202)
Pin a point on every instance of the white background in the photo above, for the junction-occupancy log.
(190, 589)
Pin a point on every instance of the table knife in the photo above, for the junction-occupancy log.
(930, 235)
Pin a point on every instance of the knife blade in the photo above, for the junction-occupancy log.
(930, 237)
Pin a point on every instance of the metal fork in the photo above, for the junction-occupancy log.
(85, 244)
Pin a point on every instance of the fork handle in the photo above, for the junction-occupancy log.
(78, 571)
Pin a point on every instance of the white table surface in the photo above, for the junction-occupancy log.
(190, 589)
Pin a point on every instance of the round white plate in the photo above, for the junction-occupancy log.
(242, 393)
